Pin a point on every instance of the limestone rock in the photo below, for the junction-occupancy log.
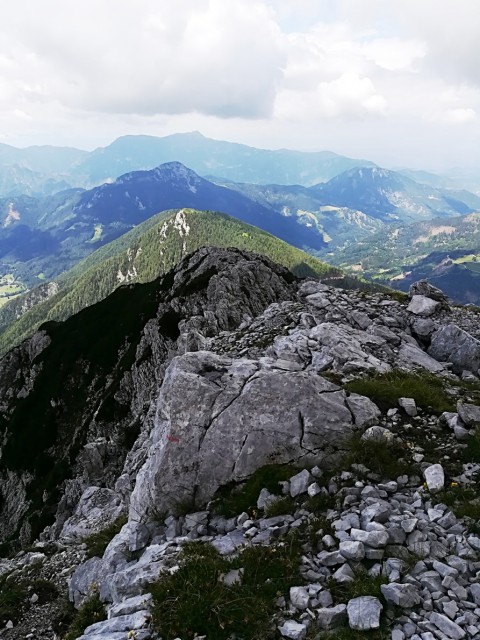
(364, 613)
(424, 288)
(452, 344)
(293, 630)
(469, 413)
(434, 477)
(422, 306)
(332, 617)
(409, 406)
(403, 595)
(244, 417)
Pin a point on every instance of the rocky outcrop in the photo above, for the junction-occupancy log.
(220, 367)
(97, 385)
(247, 414)
(94, 377)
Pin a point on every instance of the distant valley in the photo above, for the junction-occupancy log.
(347, 212)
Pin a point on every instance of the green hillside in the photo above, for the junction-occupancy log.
(144, 253)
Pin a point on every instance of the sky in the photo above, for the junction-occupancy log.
(396, 82)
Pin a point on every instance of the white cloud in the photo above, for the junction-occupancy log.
(377, 78)
(347, 96)
(148, 57)
(394, 54)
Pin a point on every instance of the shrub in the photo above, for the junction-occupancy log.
(385, 389)
(195, 601)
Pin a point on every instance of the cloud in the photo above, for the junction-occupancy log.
(378, 78)
(347, 96)
(148, 57)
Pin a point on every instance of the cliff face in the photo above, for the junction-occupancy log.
(75, 397)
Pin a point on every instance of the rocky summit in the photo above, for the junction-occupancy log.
(232, 429)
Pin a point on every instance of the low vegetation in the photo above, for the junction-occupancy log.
(196, 601)
(386, 460)
(15, 594)
(385, 389)
(363, 584)
(234, 500)
(98, 542)
(13, 600)
(91, 611)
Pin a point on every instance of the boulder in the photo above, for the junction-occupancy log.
(424, 288)
(422, 306)
(412, 357)
(331, 617)
(469, 413)
(409, 406)
(293, 630)
(403, 595)
(452, 344)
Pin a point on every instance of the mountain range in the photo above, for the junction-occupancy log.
(43, 170)
(351, 209)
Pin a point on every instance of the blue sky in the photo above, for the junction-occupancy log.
(394, 82)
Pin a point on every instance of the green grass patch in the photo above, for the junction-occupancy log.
(195, 601)
(280, 506)
(379, 457)
(231, 501)
(472, 451)
(98, 542)
(362, 584)
(385, 389)
(91, 611)
(13, 600)
(464, 502)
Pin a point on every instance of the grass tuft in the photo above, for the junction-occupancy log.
(195, 601)
(91, 611)
(230, 502)
(280, 506)
(385, 389)
(388, 461)
(362, 584)
(98, 542)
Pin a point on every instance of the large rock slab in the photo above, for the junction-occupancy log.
(412, 357)
(219, 420)
(452, 344)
